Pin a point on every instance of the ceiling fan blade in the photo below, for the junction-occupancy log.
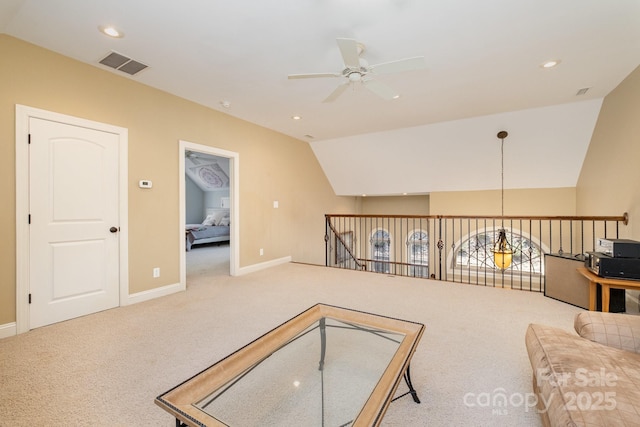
(313, 75)
(337, 92)
(382, 90)
(349, 50)
(408, 64)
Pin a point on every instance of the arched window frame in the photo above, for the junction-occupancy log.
(418, 266)
(385, 265)
(454, 266)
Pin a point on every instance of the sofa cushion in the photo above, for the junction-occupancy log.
(583, 383)
(613, 329)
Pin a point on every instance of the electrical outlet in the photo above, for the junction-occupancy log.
(261, 251)
(156, 272)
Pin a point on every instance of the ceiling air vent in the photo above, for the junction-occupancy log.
(582, 91)
(122, 63)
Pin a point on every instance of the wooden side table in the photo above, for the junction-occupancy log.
(606, 284)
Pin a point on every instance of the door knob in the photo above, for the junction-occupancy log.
(113, 229)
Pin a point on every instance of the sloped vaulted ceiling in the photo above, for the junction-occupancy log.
(209, 173)
(545, 148)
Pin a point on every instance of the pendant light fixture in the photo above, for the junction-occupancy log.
(502, 250)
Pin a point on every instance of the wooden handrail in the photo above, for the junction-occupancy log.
(624, 218)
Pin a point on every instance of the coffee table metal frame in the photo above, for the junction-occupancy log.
(180, 401)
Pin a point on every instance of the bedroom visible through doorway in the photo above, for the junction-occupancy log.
(208, 211)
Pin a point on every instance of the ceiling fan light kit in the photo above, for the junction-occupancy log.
(357, 70)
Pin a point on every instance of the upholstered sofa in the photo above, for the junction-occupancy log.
(589, 379)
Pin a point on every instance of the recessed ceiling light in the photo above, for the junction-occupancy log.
(225, 103)
(396, 96)
(550, 64)
(296, 117)
(111, 31)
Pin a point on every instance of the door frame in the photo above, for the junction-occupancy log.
(23, 114)
(234, 194)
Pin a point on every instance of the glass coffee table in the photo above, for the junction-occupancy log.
(327, 366)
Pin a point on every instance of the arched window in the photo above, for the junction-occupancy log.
(475, 252)
(418, 254)
(381, 251)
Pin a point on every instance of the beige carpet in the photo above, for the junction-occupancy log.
(106, 369)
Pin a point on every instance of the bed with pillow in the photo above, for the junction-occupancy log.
(214, 228)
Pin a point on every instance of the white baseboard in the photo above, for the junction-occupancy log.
(263, 265)
(8, 330)
(154, 293)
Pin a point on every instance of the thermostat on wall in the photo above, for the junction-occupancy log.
(145, 183)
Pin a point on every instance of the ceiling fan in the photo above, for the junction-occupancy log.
(357, 70)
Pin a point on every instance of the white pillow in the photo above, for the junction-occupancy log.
(225, 221)
(208, 220)
(217, 217)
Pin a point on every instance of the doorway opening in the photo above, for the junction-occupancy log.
(215, 173)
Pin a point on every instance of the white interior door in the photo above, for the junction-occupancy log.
(73, 205)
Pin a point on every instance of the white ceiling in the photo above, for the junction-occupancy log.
(208, 172)
(545, 149)
(483, 60)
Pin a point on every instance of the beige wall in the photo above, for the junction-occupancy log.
(272, 166)
(609, 182)
(529, 202)
(394, 205)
